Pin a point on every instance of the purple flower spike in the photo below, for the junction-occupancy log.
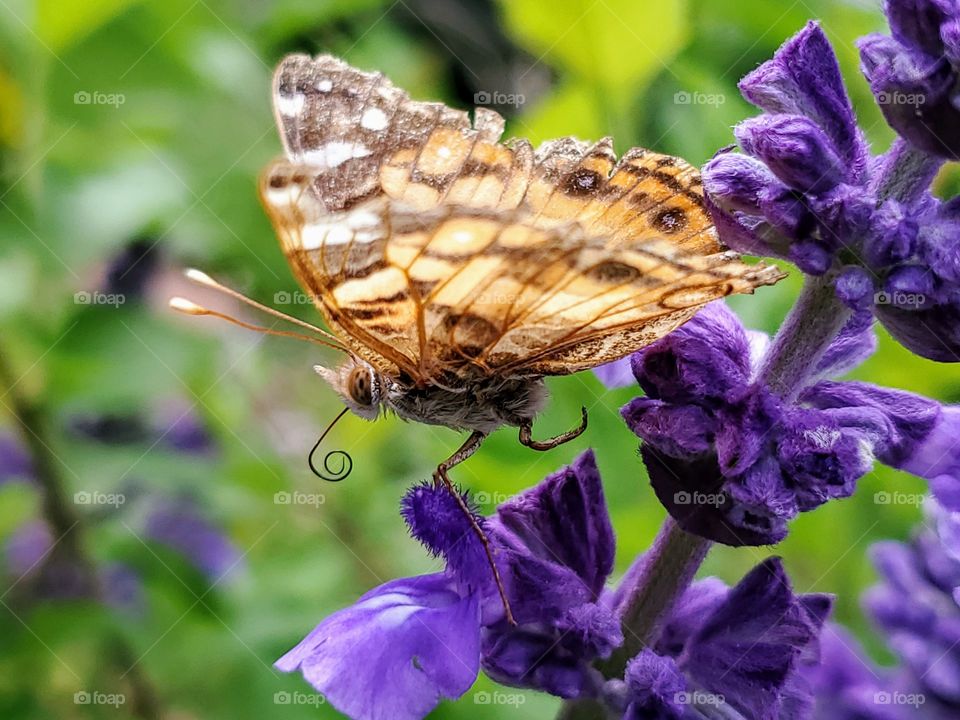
(180, 526)
(916, 607)
(804, 78)
(807, 189)
(15, 462)
(914, 73)
(396, 653)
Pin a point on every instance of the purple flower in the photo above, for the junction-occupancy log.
(733, 462)
(180, 526)
(397, 652)
(914, 74)
(735, 652)
(917, 607)
(15, 462)
(846, 684)
(429, 636)
(809, 191)
(43, 569)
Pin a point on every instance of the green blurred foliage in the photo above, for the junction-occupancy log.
(174, 157)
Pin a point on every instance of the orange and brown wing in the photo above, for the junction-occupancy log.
(438, 252)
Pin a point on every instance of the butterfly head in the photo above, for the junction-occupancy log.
(358, 384)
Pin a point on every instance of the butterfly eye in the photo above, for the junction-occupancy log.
(360, 386)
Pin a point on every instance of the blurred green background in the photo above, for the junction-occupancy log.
(131, 136)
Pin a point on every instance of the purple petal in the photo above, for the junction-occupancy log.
(397, 652)
(528, 659)
(855, 288)
(15, 461)
(564, 520)
(795, 149)
(706, 358)
(180, 526)
(916, 93)
(616, 374)
(803, 78)
(680, 431)
(855, 343)
(655, 688)
(436, 520)
(749, 646)
(937, 456)
(933, 333)
(918, 22)
(736, 182)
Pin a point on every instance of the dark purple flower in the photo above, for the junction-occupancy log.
(914, 74)
(180, 526)
(733, 462)
(809, 191)
(731, 652)
(429, 636)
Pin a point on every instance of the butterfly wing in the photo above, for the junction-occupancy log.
(436, 252)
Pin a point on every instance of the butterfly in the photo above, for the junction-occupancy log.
(456, 271)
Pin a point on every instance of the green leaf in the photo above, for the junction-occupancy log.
(615, 44)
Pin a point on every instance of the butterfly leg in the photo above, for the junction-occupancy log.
(527, 427)
(441, 476)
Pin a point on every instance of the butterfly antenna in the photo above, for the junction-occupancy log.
(346, 465)
(201, 278)
(188, 307)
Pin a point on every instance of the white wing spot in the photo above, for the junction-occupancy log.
(374, 119)
(324, 85)
(335, 153)
(290, 105)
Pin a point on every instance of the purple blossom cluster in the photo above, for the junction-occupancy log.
(734, 461)
(806, 187)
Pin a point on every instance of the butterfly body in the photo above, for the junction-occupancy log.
(477, 407)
